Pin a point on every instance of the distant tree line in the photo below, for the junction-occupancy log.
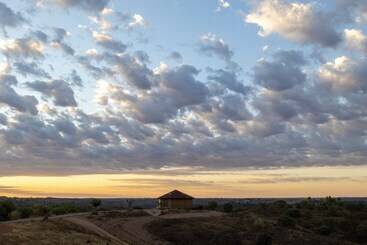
(11, 211)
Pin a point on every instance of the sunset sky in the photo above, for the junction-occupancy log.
(217, 98)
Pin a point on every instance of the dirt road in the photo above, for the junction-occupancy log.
(122, 230)
(132, 230)
(95, 229)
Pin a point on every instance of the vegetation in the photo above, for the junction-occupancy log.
(11, 211)
(311, 221)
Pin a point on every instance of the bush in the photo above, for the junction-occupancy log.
(294, 213)
(6, 208)
(25, 212)
(259, 223)
(263, 239)
(324, 230)
(286, 221)
(280, 204)
(96, 202)
(228, 207)
(361, 231)
(41, 210)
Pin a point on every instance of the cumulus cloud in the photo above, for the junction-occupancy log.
(22, 48)
(299, 22)
(345, 74)
(59, 90)
(147, 114)
(355, 40)
(229, 80)
(284, 72)
(10, 97)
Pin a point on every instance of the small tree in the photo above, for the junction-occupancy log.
(6, 207)
(96, 203)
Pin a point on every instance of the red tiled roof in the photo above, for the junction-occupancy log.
(175, 195)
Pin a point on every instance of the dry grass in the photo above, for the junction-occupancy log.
(47, 233)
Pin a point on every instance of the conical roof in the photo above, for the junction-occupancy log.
(175, 194)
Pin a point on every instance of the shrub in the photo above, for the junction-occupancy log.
(361, 231)
(96, 202)
(41, 210)
(6, 207)
(281, 204)
(25, 212)
(228, 207)
(259, 223)
(294, 213)
(324, 230)
(286, 221)
(263, 239)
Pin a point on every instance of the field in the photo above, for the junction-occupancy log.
(48, 233)
(327, 221)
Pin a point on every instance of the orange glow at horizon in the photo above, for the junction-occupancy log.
(287, 182)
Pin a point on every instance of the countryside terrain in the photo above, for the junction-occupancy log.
(308, 221)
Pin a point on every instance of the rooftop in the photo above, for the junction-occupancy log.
(175, 194)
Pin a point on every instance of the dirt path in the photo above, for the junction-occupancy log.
(133, 230)
(93, 228)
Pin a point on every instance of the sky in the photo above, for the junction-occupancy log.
(218, 98)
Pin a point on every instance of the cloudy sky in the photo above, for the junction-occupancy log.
(219, 98)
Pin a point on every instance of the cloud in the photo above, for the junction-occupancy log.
(284, 72)
(30, 68)
(8, 18)
(176, 56)
(59, 90)
(229, 80)
(299, 22)
(87, 5)
(212, 45)
(22, 48)
(222, 4)
(137, 21)
(108, 42)
(14, 100)
(58, 41)
(133, 69)
(345, 74)
(355, 40)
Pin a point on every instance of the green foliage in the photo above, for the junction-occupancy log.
(263, 239)
(6, 208)
(25, 212)
(41, 210)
